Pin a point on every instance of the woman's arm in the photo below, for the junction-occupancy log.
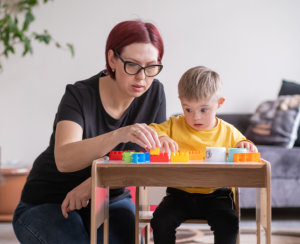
(73, 154)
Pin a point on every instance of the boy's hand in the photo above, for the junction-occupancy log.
(167, 144)
(248, 145)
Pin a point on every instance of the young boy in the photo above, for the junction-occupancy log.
(200, 95)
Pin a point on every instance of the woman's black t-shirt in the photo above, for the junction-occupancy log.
(81, 103)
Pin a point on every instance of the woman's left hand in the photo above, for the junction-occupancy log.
(77, 198)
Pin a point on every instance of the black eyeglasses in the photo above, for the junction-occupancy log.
(131, 68)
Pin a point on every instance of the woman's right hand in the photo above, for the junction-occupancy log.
(141, 134)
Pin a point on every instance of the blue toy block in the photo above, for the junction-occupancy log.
(147, 157)
(140, 158)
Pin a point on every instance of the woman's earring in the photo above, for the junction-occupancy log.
(113, 70)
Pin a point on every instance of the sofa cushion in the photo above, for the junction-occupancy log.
(275, 122)
(285, 193)
(291, 88)
(285, 163)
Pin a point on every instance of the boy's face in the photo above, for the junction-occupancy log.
(201, 114)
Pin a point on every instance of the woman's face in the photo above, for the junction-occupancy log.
(144, 54)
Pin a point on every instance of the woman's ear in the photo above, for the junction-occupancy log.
(221, 101)
(111, 59)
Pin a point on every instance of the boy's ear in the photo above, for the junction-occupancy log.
(221, 101)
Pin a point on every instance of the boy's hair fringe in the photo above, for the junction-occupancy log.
(199, 82)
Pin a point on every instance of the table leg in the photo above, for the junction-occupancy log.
(102, 215)
(266, 213)
(93, 237)
(258, 216)
(267, 210)
(137, 213)
(264, 209)
(99, 209)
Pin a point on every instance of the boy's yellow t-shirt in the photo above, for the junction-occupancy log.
(189, 139)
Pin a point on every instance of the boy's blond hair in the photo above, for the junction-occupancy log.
(199, 82)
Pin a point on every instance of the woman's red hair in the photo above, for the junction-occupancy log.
(128, 32)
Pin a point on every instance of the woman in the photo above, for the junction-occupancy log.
(109, 111)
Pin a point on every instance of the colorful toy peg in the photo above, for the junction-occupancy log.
(127, 157)
(115, 155)
(155, 152)
(196, 155)
(147, 157)
(140, 158)
(246, 157)
(232, 151)
(179, 157)
(162, 157)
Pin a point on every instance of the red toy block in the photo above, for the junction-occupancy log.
(162, 157)
(115, 155)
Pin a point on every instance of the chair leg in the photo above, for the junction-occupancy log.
(146, 234)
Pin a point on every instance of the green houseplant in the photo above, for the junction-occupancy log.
(15, 19)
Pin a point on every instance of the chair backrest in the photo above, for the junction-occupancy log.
(151, 196)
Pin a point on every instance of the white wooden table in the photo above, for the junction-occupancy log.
(106, 174)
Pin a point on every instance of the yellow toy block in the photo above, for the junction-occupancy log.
(180, 157)
(246, 157)
(155, 152)
(196, 155)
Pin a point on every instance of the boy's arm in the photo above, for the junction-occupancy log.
(162, 129)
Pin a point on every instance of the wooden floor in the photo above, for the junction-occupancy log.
(285, 228)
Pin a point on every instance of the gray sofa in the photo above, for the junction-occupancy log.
(285, 170)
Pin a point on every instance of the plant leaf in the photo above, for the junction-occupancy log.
(71, 49)
(45, 37)
(28, 19)
(27, 46)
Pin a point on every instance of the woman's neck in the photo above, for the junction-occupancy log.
(113, 100)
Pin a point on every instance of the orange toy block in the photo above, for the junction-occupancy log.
(179, 157)
(196, 155)
(246, 157)
(155, 152)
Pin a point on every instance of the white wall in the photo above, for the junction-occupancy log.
(252, 44)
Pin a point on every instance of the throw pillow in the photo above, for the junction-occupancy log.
(291, 88)
(275, 122)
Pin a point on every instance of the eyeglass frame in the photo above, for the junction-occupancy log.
(141, 67)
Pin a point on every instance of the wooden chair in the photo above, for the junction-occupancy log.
(144, 215)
